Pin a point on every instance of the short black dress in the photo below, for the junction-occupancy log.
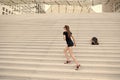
(68, 39)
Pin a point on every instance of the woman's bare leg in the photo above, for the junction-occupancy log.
(66, 54)
(72, 55)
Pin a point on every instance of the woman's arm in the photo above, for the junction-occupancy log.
(74, 40)
(64, 37)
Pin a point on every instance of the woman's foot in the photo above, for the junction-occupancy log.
(77, 67)
(67, 62)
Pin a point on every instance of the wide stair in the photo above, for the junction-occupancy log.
(31, 47)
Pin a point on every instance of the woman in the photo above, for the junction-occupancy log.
(67, 35)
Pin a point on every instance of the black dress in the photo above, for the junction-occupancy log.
(68, 39)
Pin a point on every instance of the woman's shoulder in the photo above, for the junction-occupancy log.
(65, 32)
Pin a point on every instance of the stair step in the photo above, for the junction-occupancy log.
(20, 61)
(40, 77)
(60, 48)
(58, 70)
(61, 65)
(55, 60)
(43, 54)
(52, 50)
(60, 58)
(39, 44)
(76, 50)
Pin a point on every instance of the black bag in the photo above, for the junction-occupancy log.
(94, 41)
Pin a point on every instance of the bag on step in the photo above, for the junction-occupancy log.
(94, 41)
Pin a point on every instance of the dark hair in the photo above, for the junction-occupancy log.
(68, 30)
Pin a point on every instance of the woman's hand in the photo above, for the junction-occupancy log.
(73, 40)
(75, 44)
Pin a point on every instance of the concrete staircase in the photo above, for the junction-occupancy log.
(31, 47)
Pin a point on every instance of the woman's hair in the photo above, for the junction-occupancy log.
(68, 30)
